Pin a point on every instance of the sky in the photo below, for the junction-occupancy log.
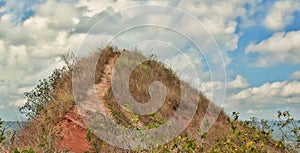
(256, 41)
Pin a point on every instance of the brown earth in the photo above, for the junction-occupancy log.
(73, 132)
(60, 120)
(73, 129)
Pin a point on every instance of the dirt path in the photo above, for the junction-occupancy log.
(73, 129)
(104, 85)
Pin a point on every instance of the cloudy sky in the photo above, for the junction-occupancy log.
(257, 41)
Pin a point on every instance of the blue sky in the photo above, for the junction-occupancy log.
(258, 40)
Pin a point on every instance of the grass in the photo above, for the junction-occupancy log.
(227, 134)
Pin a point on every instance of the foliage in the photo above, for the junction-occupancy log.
(239, 140)
(288, 127)
(261, 125)
(24, 151)
(2, 132)
(290, 132)
(45, 107)
(44, 92)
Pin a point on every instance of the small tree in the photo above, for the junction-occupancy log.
(2, 132)
(44, 92)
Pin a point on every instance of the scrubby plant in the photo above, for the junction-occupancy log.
(290, 132)
(44, 92)
(248, 137)
(289, 128)
(261, 125)
(2, 132)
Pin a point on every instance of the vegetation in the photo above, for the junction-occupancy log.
(2, 132)
(48, 103)
(289, 129)
(46, 90)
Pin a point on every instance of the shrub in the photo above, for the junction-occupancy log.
(45, 90)
(289, 129)
(2, 132)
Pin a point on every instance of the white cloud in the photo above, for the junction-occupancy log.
(17, 103)
(60, 15)
(295, 75)
(2, 50)
(279, 48)
(28, 49)
(269, 94)
(15, 35)
(17, 55)
(94, 6)
(18, 9)
(209, 86)
(239, 82)
(221, 24)
(264, 100)
(251, 111)
(281, 14)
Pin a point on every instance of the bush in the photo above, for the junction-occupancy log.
(2, 132)
(45, 90)
(289, 129)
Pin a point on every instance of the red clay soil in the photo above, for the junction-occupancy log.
(73, 128)
(73, 133)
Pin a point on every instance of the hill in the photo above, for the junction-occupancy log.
(58, 123)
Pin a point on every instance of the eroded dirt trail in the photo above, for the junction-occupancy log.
(73, 129)
(73, 133)
(103, 87)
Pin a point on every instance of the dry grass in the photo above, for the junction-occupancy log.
(41, 136)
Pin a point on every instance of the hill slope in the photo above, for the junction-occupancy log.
(59, 127)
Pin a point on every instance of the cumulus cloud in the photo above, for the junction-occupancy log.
(30, 42)
(281, 14)
(221, 24)
(2, 50)
(239, 82)
(17, 103)
(94, 7)
(29, 47)
(270, 94)
(264, 100)
(19, 10)
(208, 87)
(1, 82)
(251, 111)
(281, 47)
(295, 75)
(60, 15)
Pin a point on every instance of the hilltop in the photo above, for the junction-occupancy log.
(57, 125)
